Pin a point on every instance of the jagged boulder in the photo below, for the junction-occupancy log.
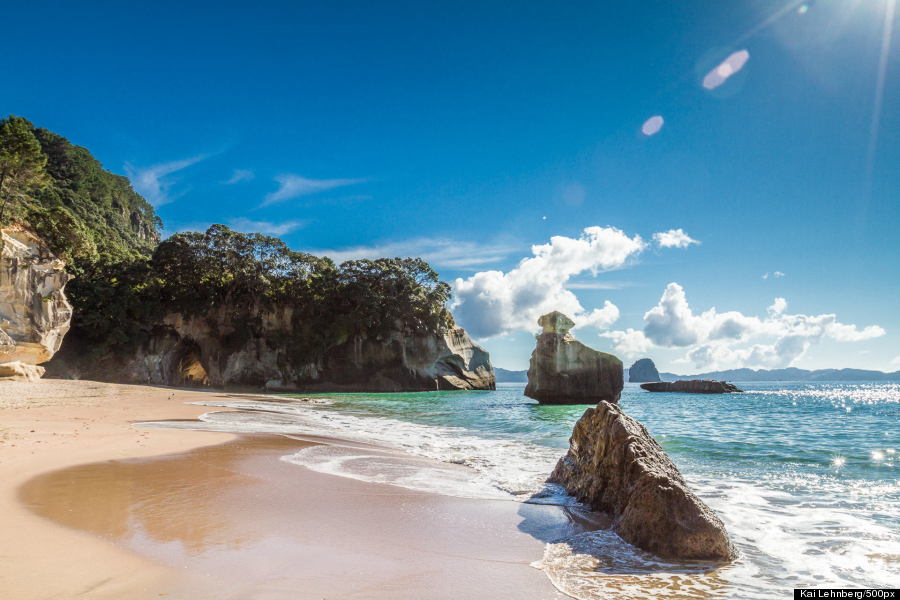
(614, 465)
(692, 386)
(34, 312)
(643, 370)
(565, 371)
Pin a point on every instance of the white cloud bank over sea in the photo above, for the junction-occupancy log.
(714, 339)
(491, 303)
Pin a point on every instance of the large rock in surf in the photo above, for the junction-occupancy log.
(692, 386)
(643, 370)
(565, 371)
(34, 312)
(614, 465)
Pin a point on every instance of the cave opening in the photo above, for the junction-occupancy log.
(191, 371)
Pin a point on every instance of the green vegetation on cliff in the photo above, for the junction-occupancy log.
(87, 215)
(126, 281)
(196, 274)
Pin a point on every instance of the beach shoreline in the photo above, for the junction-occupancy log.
(70, 450)
(49, 425)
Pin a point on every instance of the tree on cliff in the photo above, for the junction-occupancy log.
(22, 161)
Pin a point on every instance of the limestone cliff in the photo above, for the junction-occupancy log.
(614, 465)
(256, 351)
(565, 371)
(643, 370)
(34, 312)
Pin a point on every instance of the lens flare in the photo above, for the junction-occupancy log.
(652, 125)
(728, 67)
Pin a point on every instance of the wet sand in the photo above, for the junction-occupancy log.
(93, 507)
(240, 523)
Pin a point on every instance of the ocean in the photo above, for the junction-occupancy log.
(804, 475)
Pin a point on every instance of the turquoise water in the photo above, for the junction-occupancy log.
(805, 476)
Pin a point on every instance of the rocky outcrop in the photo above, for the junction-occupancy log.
(643, 370)
(565, 371)
(692, 386)
(260, 351)
(614, 465)
(34, 312)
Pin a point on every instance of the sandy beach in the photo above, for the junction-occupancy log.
(94, 507)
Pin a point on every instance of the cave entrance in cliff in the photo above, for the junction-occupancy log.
(190, 370)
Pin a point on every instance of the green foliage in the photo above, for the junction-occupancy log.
(86, 214)
(249, 275)
(22, 161)
(126, 281)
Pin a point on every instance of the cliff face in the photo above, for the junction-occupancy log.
(258, 352)
(643, 370)
(565, 371)
(34, 312)
(614, 465)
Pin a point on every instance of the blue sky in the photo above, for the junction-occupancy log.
(469, 132)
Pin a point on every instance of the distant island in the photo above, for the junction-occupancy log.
(788, 374)
(507, 376)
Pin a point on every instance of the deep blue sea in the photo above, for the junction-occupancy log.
(805, 475)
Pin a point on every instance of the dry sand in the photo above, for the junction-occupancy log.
(89, 509)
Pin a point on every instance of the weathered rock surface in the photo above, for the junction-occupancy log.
(256, 351)
(34, 312)
(643, 370)
(614, 465)
(19, 371)
(692, 386)
(565, 371)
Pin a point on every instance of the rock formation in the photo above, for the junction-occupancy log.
(692, 386)
(614, 465)
(565, 371)
(34, 312)
(214, 350)
(643, 370)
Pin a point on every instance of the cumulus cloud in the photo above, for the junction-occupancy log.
(491, 303)
(152, 183)
(239, 176)
(728, 67)
(283, 228)
(714, 339)
(776, 275)
(439, 252)
(294, 186)
(673, 238)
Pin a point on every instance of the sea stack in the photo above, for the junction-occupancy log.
(565, 371)
(643, 370)
(614, 465)
(692, 386)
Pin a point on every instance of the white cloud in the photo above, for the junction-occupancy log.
(490, 303)
(652, 125)
(293, 186)
(728, 67)
(239, 176)
(673, 238)
(597, 285)
(630, 342)
(266, 227)
(440, 252)
(150, 182)
(723, 339)
(776, 274)
(896, 361)
(601, 318)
